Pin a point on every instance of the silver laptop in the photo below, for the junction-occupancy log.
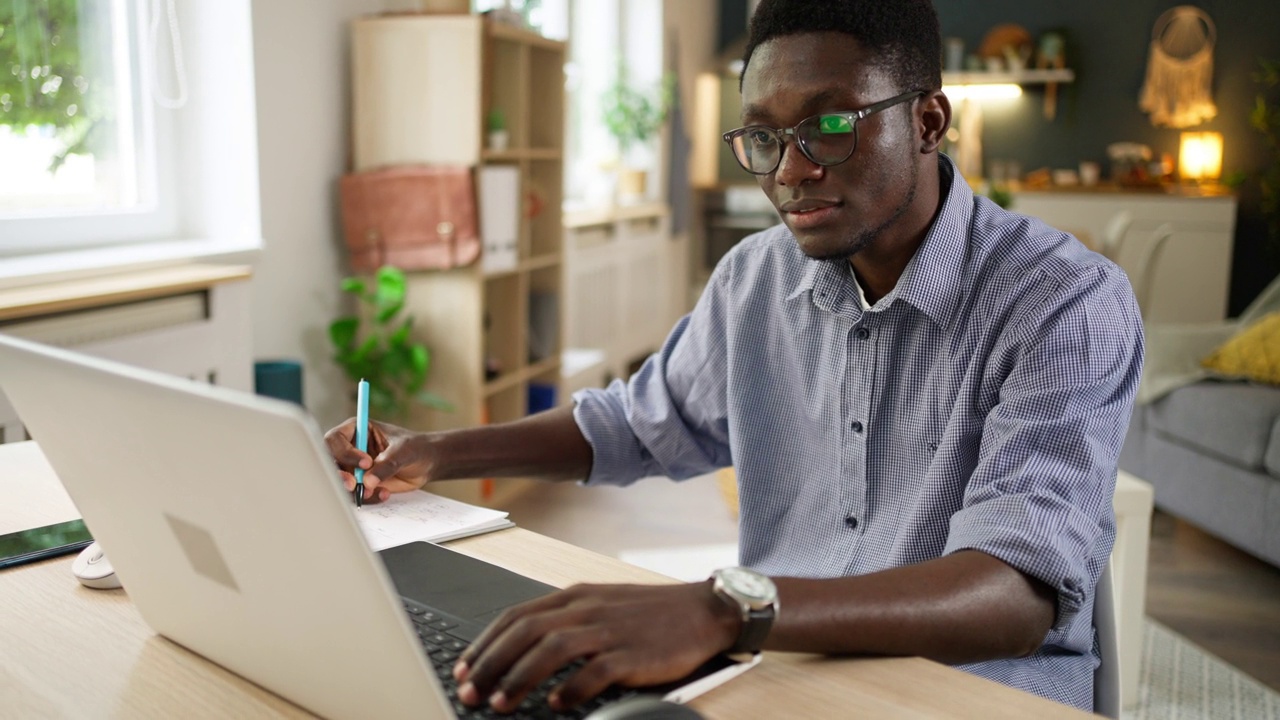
(224, 517)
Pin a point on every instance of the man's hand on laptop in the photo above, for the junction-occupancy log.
(398, 460)
(628, 635)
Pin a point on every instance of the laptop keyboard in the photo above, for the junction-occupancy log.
(444, 637)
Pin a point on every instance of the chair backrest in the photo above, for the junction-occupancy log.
(1106, 678)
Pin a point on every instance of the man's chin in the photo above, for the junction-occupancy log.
(821, 246)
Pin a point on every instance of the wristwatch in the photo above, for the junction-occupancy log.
(756, 598)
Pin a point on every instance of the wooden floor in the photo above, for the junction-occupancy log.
(1216, 596)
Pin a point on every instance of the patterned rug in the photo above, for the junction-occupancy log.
(1182, 681)
(1179, 681)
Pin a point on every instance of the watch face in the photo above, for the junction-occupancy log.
(749, 584)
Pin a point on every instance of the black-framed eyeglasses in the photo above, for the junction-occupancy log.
(827, 139)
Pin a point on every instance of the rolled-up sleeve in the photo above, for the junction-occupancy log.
(1040, 498)
(670, 418)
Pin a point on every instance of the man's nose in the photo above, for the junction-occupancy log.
(795, 167)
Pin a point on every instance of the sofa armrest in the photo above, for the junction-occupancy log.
(1173, 355)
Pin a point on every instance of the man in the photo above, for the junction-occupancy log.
(924, 397)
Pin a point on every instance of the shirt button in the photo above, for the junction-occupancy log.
(863, 333)
(852, 522)
(856, 426)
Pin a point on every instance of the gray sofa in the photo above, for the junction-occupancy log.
(1209, 447)
(1211, 450)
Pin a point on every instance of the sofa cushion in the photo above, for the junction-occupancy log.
(1234, 422)
(1272, 461)
(1253, 354)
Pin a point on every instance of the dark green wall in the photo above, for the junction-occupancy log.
(1108, 46)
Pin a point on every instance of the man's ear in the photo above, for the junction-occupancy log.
(935, 116)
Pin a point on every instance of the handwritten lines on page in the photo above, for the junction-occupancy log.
(412, 516)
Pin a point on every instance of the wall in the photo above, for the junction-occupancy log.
(1108, 44)
(301, 69)
(1108, 47)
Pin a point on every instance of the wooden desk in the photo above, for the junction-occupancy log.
(67, 651)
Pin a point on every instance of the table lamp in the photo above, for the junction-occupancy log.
(1200, 156)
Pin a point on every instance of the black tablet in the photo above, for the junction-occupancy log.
(39, 543)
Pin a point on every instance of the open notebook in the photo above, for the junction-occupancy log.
(412, 516)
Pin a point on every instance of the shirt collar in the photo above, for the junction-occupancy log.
(931, 281)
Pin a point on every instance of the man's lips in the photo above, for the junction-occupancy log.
(806, 214)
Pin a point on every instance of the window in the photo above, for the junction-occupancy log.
(604, 35)
(78, 125)
(149, 166)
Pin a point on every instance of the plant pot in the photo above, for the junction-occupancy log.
(499, 140)
(632, 184)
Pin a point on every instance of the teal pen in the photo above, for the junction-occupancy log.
(362, 435)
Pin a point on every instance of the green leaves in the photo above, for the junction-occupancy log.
(634, 116)
(388, 357)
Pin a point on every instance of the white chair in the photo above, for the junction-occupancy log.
(1106, 678)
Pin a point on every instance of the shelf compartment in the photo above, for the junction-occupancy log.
(507, 405)
(544, 387)
(506, 91)
(504, 333)
(544, 315)
(544, 186)
(546, 80)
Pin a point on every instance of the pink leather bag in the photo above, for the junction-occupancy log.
(413, 217)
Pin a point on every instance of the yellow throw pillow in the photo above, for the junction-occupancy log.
(1253, 354)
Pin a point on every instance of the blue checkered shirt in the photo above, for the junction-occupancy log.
(979, 405)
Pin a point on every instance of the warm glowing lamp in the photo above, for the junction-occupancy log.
(1200, 156)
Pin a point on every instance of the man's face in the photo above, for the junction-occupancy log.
(833, 211)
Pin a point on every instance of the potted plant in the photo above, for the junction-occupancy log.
(496, 124)
(634, 117)
(382, 350)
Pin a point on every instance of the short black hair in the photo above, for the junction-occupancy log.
(903, 34)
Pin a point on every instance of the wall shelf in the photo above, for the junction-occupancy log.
(1019, 77)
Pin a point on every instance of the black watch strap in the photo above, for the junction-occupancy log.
(755, 628)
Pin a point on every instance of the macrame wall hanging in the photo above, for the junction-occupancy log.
(1178, 90)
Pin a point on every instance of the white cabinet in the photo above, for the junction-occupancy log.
(619, 269)
(1175, 247)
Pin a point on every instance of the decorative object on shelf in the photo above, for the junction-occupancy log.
(383, 351)
(500, 11)
(955, 54)
(415, 217)
(633, 117)
(1006, 46)
(499, 136)
(1200, 156)
(1178, 88)
(1129, 163)
(1051, 54)
(1090, 173)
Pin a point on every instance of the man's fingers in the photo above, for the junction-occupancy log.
(592, 679)
(554, 651)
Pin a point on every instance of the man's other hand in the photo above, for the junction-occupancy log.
(628, 635)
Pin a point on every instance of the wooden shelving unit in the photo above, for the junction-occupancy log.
(423, 86)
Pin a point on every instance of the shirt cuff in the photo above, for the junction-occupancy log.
(615, 452)
(1011, 528)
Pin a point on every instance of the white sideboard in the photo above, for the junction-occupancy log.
(1188, 279)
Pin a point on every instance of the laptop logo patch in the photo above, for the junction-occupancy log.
(202, 552)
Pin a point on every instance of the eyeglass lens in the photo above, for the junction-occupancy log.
(824, 139)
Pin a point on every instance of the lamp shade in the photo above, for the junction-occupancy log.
(1200, 156)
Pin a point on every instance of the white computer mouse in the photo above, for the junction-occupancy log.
(93, 569)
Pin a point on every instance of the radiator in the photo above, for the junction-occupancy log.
(203, 335)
